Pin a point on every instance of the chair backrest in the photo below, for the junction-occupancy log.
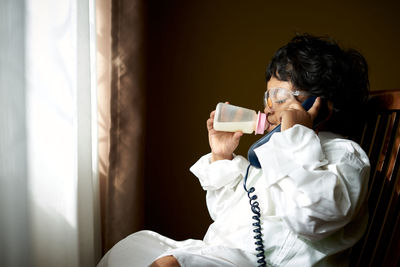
(380, 245)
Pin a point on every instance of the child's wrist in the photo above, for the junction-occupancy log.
(216, 157)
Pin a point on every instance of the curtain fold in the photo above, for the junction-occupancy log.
(15, 248)
(121, 143)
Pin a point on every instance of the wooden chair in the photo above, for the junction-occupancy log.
(380, 245)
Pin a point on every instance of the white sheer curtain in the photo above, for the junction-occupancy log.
(14, 225)
(48, 139)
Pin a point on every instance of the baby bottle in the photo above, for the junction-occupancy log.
(230, 118)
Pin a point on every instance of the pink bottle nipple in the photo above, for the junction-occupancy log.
(261, 121)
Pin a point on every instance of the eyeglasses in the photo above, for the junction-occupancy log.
(279, 95)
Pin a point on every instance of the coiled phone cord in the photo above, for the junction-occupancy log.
(255, 208)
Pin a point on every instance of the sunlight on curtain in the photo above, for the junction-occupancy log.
(103, 60)
(49, 210)
(62, 170)
(122, 82)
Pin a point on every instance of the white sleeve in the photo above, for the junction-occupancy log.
(316, 188)
(220, 180)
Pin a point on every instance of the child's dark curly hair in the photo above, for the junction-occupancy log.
(340, 77)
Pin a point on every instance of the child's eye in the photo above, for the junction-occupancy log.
(281, 101)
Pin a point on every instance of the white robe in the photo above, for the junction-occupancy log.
(311, 191)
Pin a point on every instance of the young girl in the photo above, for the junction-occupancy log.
(312, 182)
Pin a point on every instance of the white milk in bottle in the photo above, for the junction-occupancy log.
(230, 118)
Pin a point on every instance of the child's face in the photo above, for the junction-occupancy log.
(280, 95)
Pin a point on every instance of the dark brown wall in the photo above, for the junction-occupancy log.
(203, 52)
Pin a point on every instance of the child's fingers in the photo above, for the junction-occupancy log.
(212, 114)
(237, 135)
(313, 111)
(210, 121)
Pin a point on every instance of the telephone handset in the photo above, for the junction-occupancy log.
(255, 207)
(251, 155)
